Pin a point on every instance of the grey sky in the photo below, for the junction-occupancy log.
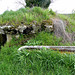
(63, 6)
(60, 6)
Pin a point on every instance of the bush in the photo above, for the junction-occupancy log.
(40, 3)
(52, 12)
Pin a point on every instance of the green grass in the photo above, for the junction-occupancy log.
(25, 16)
(35, 62)
(44, 38)
(70, 20)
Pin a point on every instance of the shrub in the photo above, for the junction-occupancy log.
(40, 3)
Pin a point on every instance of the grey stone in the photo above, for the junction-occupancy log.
(47, 25)
(59, 30)
(1, 31)
(28, 30)
(21, 28)
(8, 29)
(36, 28)
(48, 28)
(6, 26)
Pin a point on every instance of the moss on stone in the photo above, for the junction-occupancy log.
(49, 22)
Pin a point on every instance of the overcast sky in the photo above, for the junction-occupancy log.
(60, 6)
(63, 6)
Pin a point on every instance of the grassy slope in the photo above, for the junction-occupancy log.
(36, 62)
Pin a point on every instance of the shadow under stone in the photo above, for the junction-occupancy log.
(3, 39)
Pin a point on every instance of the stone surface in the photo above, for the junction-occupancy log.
(1, 31)
(49, 28)
(59, 30)
(53, 25)
(28, 30)
(21, 28)
(8, 29)
(47, 25)
(36, 28)
(6, 26)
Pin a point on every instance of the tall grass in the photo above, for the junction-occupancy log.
(35, 62)
(24, 15)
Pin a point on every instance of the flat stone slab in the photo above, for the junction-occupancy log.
(59, 48)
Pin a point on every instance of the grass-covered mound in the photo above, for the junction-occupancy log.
(25, 16)
(34, 62)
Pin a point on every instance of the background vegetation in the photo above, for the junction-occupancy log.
(40, 3)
